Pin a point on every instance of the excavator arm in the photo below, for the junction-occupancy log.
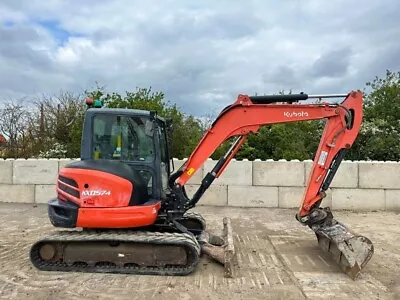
(245, 116)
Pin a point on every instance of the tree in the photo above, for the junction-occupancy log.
(57, 124)
(283, 141)
(379, 138)
(14, 120)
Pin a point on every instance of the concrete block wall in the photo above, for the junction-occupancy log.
(29, 180)
(358, 185)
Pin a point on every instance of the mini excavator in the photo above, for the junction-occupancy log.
(125, 210)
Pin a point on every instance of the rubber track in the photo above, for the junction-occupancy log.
(186, 240)
(195, 216)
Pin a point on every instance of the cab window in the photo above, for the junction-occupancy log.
(122, 138)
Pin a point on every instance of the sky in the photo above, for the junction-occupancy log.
(201, 54)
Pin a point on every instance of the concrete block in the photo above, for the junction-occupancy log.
(236, 172)
(252, 196)
(392, 200)
(198, 175)
(291, 197)
(216, 195)
(17, 193)
(278, 173)
(44, 192)
(379, 175)
(358, 199)
(346, 176)
(35, 171)
(6, 170)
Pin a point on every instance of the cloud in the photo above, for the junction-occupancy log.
(201, 54)
(334, 63)
(25, 46)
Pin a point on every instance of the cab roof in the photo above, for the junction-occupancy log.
(122, 111)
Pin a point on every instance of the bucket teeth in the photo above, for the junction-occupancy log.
(221, 249)
(350, 251)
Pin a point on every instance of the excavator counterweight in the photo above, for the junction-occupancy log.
(129, 213)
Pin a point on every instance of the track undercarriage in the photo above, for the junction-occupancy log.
(151, 252)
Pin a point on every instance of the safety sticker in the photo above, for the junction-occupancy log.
(322, 158)
(190, 172)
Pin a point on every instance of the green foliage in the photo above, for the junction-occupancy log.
(58, 121)
(57, 151)
(75, 136)
(283, 141)
(379, 137)
(13, 121)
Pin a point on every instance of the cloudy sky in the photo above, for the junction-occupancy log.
(200, 53)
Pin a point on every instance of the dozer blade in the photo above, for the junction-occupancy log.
(221, 249)
(349, 250)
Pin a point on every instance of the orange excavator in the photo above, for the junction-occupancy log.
(124, 210)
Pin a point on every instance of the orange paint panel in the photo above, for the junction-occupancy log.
(334, 138)
(99, 189)
(123, 217)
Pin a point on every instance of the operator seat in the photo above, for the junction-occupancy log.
(140, 193)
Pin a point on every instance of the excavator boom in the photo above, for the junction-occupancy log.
(246, 116)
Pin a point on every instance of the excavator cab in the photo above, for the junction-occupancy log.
(122, 175)
(136, 138)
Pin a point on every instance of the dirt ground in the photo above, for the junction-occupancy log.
(278, 259)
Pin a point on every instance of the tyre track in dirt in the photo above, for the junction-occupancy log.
(277, 259)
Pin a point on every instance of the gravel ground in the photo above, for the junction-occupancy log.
(278, 259)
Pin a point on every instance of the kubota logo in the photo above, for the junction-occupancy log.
(294, 114)
(96, 193)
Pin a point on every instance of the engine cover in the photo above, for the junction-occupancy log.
(101, 183)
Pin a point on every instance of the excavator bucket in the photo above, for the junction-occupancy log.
(220, 249)
(348, 249)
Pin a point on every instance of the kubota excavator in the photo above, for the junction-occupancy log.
(127, 212)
